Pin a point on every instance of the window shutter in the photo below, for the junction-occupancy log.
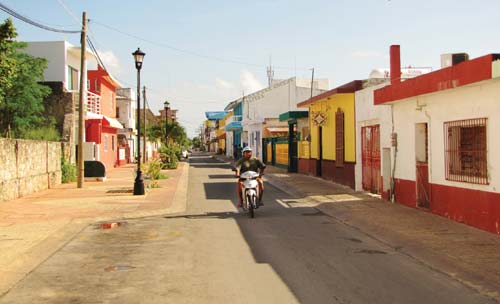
(339, 138)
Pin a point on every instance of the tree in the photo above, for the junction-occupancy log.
(196, 142)
(21, 96)
(176, 134)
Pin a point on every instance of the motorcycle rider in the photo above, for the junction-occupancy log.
(249, 163)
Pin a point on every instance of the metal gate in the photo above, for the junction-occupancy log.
(370, 146)
(293, 159)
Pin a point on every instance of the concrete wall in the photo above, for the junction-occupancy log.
(367, 114)
(474, 101)
(55, 53)
(28, 166)
(329, 106)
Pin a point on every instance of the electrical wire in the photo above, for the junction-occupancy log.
(96, 53)
(174, 48)
(69, 11)
(34, 23)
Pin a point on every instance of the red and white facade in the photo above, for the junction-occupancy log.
(101, 126)
(438, 133)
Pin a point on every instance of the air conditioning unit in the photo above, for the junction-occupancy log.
(448, 60)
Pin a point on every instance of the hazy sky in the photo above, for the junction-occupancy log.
(200, 55)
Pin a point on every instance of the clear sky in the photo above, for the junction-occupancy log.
(200, 55)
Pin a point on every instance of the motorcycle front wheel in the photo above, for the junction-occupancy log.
(251, 205)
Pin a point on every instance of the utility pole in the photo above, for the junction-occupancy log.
(144, 109)
(312, 82)
(81, 119)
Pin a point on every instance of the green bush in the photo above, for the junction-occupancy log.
(48, 133)
(170, 156)
(69, 172)
(153, 172)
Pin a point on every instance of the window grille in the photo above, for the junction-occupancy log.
(339, 138)
(465, 151)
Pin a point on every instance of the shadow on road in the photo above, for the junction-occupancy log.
(323, 260)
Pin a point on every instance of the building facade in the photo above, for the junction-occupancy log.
(444, 157)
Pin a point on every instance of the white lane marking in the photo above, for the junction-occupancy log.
(282, 203)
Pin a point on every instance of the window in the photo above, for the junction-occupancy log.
(106, 146)
(72, 79)
(112, 143)
(465, 151)
(117, 112)
(97, 86)
(339, 138)
(111, 103)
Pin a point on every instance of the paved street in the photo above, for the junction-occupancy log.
(214, 254)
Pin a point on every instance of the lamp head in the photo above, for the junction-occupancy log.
(138, 57)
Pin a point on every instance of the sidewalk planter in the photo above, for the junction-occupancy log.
(332, 139)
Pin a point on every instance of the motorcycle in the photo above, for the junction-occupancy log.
(250, 191)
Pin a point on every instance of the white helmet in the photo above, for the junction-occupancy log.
(247, 149)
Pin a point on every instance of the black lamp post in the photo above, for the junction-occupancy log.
(139, 181)
(166, 107)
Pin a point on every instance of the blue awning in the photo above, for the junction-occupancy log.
(217, 115)
(234, 126)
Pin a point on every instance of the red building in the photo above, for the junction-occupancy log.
(101, 126)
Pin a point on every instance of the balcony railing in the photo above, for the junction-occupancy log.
(93, 103)
(233, 119)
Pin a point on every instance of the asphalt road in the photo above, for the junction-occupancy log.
(215, 254)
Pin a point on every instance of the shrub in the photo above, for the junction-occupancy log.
(170, 156)
(48, 133)
(69, 172)
(153, 171)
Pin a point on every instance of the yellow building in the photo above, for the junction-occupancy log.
(221, 135)
(329, 151)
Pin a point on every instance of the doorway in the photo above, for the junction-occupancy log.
(422, 165)
(320, 151)
(293, 161)
(370, 158)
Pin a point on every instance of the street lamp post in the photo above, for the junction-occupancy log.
(166, 107)
(139, 181)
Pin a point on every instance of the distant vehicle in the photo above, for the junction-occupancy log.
(185, 154)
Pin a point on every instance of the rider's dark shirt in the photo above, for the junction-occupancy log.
(252, 164)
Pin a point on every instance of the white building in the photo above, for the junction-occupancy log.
(63, 62)
(62, 75)
(280, 97)
(445, 154)
(126, 111)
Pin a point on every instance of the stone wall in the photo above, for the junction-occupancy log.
(61, 105)
(28, 166)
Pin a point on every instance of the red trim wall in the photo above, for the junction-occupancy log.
(464, 73)
(307, 166)
(476, 208)
(405, 192)
(480, 209)
(340, 175)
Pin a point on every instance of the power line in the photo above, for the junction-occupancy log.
(94, 50)
(174, 48)
(32, 22)
(69, 11)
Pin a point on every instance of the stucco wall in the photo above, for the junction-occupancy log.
(28, 166)
(475, 101)
(55, 53)
(367, 114)
(329, 107)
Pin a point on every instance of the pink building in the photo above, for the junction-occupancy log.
(101, 126)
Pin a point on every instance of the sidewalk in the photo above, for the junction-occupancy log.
(467, 254)
(34, 227)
